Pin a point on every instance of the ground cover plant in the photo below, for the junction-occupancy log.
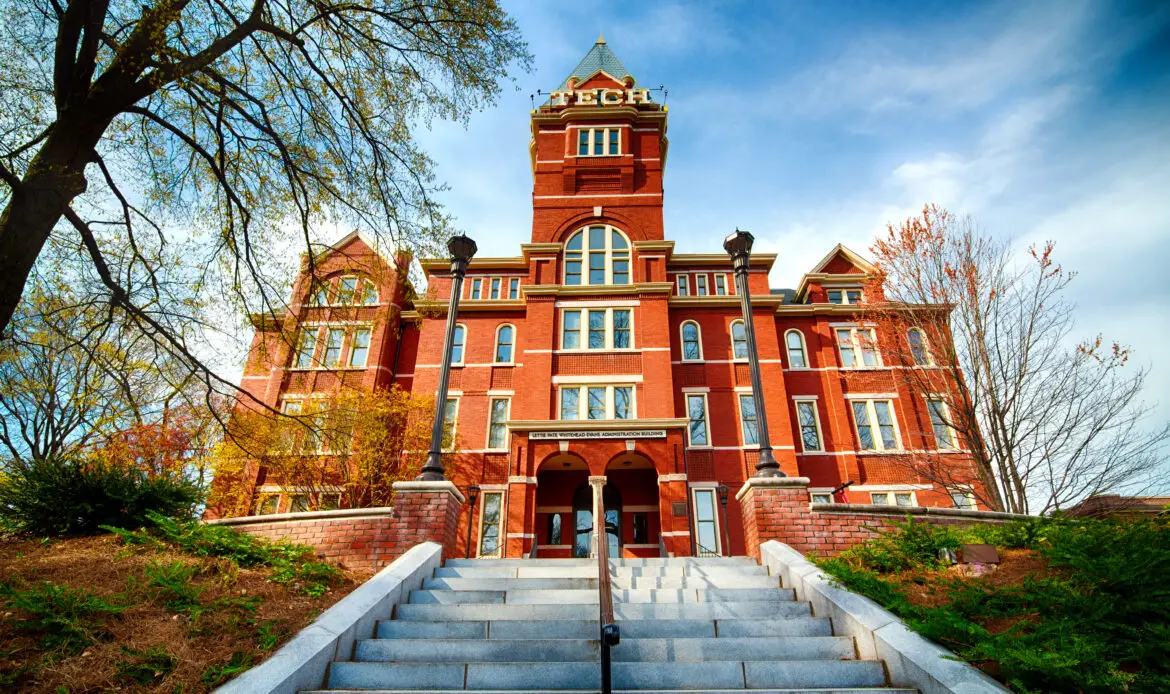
(1075, 606)
(174, 607)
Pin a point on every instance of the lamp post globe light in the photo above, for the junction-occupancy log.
(462, 249)
(739, 246)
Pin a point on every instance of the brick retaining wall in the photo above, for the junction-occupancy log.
(779, 509)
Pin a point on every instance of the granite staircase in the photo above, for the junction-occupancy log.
(524, 625)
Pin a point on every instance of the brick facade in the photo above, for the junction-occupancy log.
(655, 461)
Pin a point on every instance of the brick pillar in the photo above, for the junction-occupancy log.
(774, 508)
(426, 512)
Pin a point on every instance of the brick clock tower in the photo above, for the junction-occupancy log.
(599, 366)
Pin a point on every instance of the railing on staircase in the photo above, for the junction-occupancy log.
(610, 634)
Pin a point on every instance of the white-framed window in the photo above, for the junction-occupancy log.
(597, 328)
(457, 343)
(844, 296)
(319, 294)
(739, 343)
(476, 288)
(698, 431)
(852, 342)
(359, 350)
(514, 288)
(333, 342)
(599, 142)
(597, 255)
(505, 341)
(306, 348)
(810, 425)
(495, 288)
(346, 289)
(822, 498)
(692, 342)
(749, 422)
(498, 414)
(491, 521)
(963, 500)
(797, 356)
(597, 401)
(267, 504)
(875, 425)
(450, 422)
(892, 498)
(700, 285)
(683, 284)
(369, 295)
(919, 351)
(720, 285)
(707, 538)
(944, 435)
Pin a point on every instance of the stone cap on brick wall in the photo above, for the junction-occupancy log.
(772, 483)
(414, 487)
(887, 510)
(305, 515)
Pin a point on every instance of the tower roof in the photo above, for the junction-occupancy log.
(599, 59)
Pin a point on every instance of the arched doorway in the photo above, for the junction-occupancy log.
(557, 482)
(634, 481)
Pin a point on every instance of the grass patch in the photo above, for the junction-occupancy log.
(165, 609)
(1076, 606)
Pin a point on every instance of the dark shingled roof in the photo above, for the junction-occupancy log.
(599, 58)
(787, 294)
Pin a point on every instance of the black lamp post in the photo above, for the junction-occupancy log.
(722, 490)
(472, 495)
(462, 249)
(739, 247)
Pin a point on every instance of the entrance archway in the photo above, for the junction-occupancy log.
(557, 481)
(583, 520)
(634, 480)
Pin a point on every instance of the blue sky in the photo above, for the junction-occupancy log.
(813, 123)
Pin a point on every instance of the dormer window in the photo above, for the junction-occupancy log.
(597, 255)
(844, 296)
(599, 142)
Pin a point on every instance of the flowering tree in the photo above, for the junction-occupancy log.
(988, 341)
(346, 450)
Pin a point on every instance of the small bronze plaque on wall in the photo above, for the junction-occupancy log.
(679, 509)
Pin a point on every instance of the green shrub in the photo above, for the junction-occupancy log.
(145, 667)
(293, 564)
(66, 619)
(216, 675)
(67, 497)
(1100, 623)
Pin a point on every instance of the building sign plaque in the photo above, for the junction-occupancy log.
(599, 97)
(597, 434)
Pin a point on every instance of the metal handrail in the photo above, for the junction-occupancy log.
(610, 634)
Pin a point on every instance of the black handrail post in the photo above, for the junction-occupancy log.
(610, 634)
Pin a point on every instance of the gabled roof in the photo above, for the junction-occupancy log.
(859, 262)
(599, 59)
(376, 248)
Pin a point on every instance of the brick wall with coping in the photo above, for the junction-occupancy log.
(367, 539)
(780, 509)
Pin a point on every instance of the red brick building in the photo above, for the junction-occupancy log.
(598, 357)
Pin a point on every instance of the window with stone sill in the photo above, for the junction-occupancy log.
(597, 402)
(892, 498)
(597, 328)
(597, 255)
(844, 296)
(852, 342)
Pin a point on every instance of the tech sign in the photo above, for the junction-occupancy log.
(599, 97)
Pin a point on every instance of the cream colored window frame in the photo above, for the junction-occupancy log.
(507, 414)
(610, 253)
(812, 402)
(875, 428)
(856, 343)
(731, 336)
(462, 346)
(592, 140)
(501, 536)
(683, 340)
(803, 348)
(706, 420)
(583, 329)
(496, 348)
(695, 491)
(610, 401)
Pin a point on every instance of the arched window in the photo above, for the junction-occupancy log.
(739, 345)
(692, 348)
(504, 338)
(918, 349)
(597, 255)
(457, 344)
(794, 339)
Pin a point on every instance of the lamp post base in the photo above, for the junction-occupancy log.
(432, 470)
(768, 467)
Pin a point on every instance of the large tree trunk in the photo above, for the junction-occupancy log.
(55, 177)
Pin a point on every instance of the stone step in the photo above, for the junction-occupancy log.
(623, 611)
(625, 582)
(559, 676)
(684, 650)
(646, 561)
(618, 573)
(588, 628)
(574, 597)
(819, 690)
